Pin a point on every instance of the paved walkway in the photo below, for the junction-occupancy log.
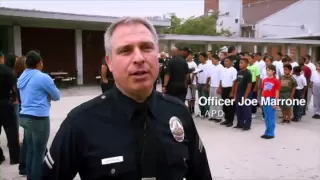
(293, 155)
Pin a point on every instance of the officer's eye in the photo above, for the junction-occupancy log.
(147, 46)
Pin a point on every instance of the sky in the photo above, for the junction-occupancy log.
(118, 8)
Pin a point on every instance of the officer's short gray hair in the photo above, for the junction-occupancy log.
(127, 20)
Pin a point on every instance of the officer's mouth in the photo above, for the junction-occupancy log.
(139, 73)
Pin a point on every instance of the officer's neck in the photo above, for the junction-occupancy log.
(138, 96)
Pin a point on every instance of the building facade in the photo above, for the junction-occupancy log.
(67, 42)
(270, 19)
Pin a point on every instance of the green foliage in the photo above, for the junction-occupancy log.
(203, 25)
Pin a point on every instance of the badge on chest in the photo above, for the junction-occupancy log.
(176, 128)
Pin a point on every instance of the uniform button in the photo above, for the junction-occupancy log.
(103, 97)
(113, 171)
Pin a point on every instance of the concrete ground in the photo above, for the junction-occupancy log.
(293, 155)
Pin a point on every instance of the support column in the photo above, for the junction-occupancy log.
(312, 53)
(284, 49)
(239, 48)
(264, 49)
(14, 40)
(209, 47)
(298, 52)
(171, 45)
(79, 56)
(255, 49)
(288, 50)
(309, 50)
(10, 40)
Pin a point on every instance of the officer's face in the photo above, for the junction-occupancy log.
(134, 60)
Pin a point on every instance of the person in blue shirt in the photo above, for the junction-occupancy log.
(37, 89)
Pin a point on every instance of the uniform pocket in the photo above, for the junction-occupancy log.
(178, 155)
(114, 166)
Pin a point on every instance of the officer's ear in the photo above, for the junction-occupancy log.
(109, 62)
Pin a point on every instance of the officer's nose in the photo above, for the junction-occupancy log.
(138, 57)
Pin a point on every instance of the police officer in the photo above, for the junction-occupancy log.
(177, 74)
(131, 132)
(107, 80)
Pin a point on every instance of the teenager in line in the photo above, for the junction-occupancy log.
(299, 93)
(315, 89)
(243, 87)
(227, 83)
(255, 71)
(288, 88)
(213, 85)
(270, 89)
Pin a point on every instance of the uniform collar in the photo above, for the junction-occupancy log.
(129, 106)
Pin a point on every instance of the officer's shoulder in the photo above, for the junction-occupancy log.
(172, 102)
(84, 109)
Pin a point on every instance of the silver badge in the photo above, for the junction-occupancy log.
(176, 128)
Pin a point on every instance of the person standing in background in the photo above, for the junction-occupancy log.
(213, 85)
(19, 67)
(37, 90)
(278, 63)
(299, 93)
(309, 63)
(227, 83)
(163, 61)
(233, 55)
(255, 71)
(306, 71)
(202, 75)
(287, 90)
(177, 75)
(8, 119)
(107, 80)
(315, 89)
(313, 70)
(243, 88)
(191, 92)
(270, 89)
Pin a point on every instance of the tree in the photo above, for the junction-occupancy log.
(203, 25)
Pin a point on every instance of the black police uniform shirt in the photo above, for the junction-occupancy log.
(7, 82)
(235, 61)
(244, 78)
(177, 69)
(105, 139)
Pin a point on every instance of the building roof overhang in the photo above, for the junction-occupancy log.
(199, 39)
(10, 13)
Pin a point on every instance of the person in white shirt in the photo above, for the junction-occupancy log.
(315, 85)
(313, 70)
(227, 83)
(309, 63)
(269, 61)
(293, 63)
(214, 86)
(262, 65)
(278, 63)
(259, 60)
(300, 93)
(191, 91)
(210, 58)
(201, 79)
